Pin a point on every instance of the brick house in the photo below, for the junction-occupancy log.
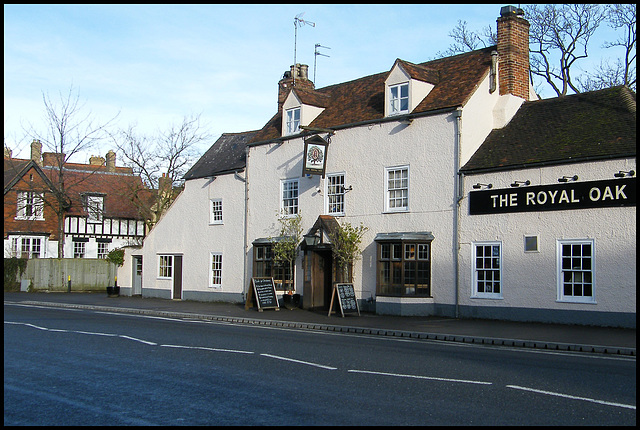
(103, 202)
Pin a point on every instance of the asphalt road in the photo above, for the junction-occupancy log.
(82, 367)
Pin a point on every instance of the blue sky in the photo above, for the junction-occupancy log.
(154, 64)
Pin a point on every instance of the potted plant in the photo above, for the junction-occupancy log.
(345, 244)
(117, 257)
(285, 252)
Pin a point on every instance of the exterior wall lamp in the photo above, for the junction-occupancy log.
(622, 173)
(479, 185)
(311, 239)
(518, 183)
(568, 178)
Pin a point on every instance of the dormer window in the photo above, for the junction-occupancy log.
(293, 120)
(94, 205)
(399, 99)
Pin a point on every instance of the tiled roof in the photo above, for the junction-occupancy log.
(362, 99)
(225, 155)
(420, 73)
(594, 125)
(118, 189)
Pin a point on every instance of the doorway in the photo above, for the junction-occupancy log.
(177, 277)
(137, 276)
(321, 266)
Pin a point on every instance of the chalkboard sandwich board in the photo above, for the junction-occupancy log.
(264, 291)
(346, 296)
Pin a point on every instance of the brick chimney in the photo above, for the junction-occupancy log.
(36, 152)
(54, 159)
(96, 161)
(513, 52)
(111, 161)
(297, 76)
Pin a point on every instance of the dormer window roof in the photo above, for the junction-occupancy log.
(300, 108)
(406, 86)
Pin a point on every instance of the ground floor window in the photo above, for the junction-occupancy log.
(79, 249)
(264, 266)
(404, 266)
(165, 266)
(103, 249)
(27, 247)
(216, 270)
(576, 280)
(487, 268)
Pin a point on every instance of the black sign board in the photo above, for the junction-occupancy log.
(346, 296)
(264, 291)
(574, 195)
(315, 156)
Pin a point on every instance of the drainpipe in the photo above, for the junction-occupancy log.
(456, 207)
(246, 219)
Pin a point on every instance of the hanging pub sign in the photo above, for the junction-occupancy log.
(575, 195)
(315, 156)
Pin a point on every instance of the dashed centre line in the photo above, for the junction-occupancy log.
(322, 366)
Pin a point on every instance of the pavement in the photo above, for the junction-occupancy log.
(559, 337)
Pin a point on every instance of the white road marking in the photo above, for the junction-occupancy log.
(567, 396)
(433, 378)
(322, 366)
(204, 348)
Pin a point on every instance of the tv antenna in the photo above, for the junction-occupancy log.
(315, 56)
(298, 21)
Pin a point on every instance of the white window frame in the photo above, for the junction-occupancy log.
(390, 192)
(292, 120)
(396, 100)
(289, 205)
(79, 249)
(475, 270)
(103, 249)
(215, 211)
(215, 274)
(580, 275)
(32, 200)
(95, 208)
(35, 243)
(334, 191)
(165, 266)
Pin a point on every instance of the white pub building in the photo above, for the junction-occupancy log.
(480, 200)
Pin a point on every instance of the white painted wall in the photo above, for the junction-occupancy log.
(364, 152)
(185, 229)
(530, 279)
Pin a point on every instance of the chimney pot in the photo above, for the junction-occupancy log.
(111, 161)
(36, 151)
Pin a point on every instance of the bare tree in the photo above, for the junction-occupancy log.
(559, 37)
(161, 160)
(71, 129)
(620, 17)
(468, 40)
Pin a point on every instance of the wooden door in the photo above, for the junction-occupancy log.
(177, 277)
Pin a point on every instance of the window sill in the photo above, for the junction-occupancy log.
(577, 302)
(496, 297)
(396, 211)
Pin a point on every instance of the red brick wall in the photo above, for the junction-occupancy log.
(50, 222)
(513, 60)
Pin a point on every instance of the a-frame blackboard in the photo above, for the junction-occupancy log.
(346, 298)
(264, 291)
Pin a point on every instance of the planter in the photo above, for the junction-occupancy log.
(291, 301)
(113, 291)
